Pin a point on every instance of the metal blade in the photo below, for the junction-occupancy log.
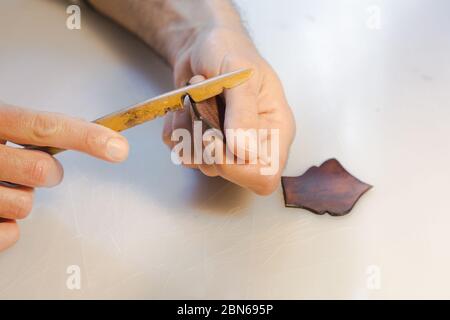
(171, 101)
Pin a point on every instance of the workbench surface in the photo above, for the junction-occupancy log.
(369, 85)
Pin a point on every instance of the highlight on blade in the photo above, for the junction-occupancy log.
(160, 105)
(172, 101)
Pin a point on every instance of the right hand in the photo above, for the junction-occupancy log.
(32, 169)
(259, 103)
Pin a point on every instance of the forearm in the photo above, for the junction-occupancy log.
(170, 25)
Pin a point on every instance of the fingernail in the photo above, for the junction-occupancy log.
(116, 149)
(54, 177)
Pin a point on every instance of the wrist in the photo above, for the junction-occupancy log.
(216, 15)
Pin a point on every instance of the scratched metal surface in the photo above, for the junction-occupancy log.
(375, 98)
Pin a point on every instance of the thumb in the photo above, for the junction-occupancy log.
(242, 120)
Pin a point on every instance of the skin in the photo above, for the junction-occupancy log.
(35, 169)
(199, 39)
(202, 39)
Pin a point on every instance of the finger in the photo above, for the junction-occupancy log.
(186, 120)
(196, 79)
(241, 115)
(29, 168)
(249, 176)
(167, 136)
(261, 176)
(241, 176)
(167, 130)
(182, 120)
(207, 111)
(209, 170)
(15, 203)
(242, 106)
(55, 130)
(9, 233)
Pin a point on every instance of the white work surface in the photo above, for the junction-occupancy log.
(376, 99)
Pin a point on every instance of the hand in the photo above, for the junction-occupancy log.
(260, 103)
(31, 169)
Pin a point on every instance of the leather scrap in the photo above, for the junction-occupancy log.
(328, 188)
(210, 112)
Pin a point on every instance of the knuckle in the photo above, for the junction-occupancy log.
(44, 126)
(23, 206)
(90, 141)
(38, 171)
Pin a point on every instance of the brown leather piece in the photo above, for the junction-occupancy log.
(328, 188)
(210, 112)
